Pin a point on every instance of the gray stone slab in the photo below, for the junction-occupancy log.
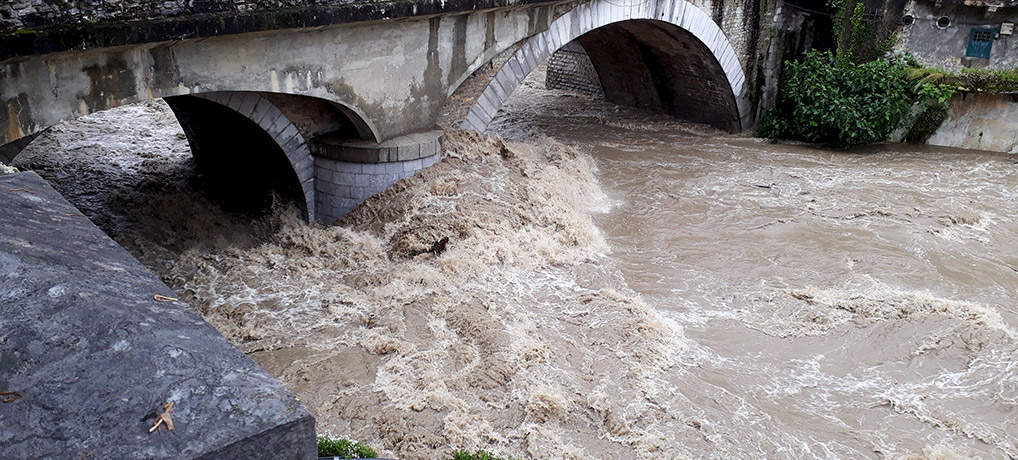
(393, 168)
(344, 178)
(95, 355)
(324, 174)
(508, 78)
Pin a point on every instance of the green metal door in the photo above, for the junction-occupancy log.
(980, 42)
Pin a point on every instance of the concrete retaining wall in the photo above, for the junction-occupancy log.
(981, 122)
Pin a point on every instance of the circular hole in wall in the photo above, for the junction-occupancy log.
(907, 20)
(943, 22)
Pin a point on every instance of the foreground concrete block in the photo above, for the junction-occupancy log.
(94, 355)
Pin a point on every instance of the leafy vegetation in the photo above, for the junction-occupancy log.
(859, 38)
(838, 102)
(863, 92)
(328, 447)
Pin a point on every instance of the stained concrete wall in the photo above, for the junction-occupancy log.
(981, 122)
(395, 76)
(94, 354)
(945, 47)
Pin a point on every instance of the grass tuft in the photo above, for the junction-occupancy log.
(329, 447)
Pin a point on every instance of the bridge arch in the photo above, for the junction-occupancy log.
(246, 144)
(210, 132)
(606, 22)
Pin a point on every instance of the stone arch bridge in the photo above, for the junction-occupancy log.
(345, 98)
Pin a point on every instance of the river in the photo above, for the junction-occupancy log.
(617, 284)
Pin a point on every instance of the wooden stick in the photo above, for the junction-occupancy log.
(164, 418)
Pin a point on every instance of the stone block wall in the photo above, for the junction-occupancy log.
(342, 185)
(735, 18)
(570, 69)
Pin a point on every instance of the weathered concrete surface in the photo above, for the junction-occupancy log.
(981, 122)
(95, 357)
(394, 75)
(945, 47)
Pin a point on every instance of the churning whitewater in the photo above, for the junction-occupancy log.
(615, 284)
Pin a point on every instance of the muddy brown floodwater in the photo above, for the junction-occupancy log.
(617, 284)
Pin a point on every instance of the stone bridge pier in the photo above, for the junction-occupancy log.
(323, 152)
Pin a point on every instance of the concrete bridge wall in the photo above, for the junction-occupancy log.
(393, 75)
(352, 107)
(381, 82)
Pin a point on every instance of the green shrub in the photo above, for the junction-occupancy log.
(837, 102)
(328, 447)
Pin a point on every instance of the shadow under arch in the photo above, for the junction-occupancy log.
(661, 54)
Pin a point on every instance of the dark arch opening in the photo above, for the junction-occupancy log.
(659, 66)
(242, 165)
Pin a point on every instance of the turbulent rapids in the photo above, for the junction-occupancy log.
(630, 287)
